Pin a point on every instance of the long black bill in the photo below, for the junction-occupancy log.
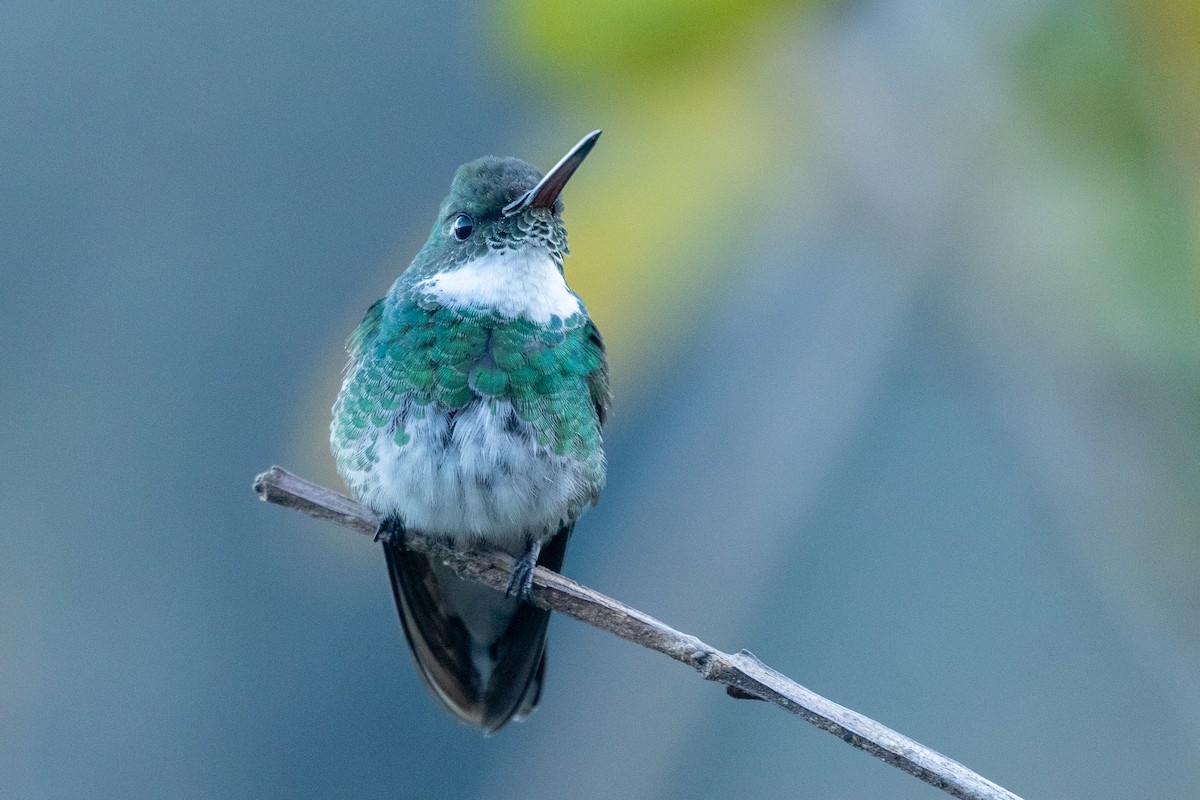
(546, 192)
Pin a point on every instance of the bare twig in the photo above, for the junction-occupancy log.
(742, 673)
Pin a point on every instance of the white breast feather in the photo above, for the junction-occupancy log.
(473, 481)
(516, 283)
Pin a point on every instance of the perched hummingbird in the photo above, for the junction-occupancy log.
(472, 409)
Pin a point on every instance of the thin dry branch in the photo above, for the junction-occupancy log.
(742, 673)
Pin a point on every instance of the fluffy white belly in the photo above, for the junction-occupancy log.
(484, 477)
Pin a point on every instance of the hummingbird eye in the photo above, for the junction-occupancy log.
(462, 227)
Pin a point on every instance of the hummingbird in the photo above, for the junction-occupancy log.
(472, 410)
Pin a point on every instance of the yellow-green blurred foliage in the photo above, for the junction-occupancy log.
(1122, 115)
(696, 133)
(613, 43)
(1167, 36)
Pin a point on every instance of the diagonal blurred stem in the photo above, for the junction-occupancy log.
(741, 673)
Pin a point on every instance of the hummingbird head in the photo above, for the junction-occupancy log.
(499, 205)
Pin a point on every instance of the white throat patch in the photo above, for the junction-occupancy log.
(516, 283)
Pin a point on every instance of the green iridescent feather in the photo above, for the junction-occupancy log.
(425, 358)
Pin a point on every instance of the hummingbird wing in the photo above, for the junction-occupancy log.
(481, 653)
(597, 379)
(516, 662)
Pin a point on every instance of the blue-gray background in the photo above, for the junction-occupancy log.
(906, 369)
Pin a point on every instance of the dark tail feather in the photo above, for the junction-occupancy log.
(448, 656)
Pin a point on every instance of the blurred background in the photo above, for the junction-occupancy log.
(903, 311)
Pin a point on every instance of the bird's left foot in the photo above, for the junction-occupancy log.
(521, 583)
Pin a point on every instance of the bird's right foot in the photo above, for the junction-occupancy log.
(391, 532)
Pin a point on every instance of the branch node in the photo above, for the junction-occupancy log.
(741, 694)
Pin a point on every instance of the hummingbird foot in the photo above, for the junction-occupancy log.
(521, 583)
(391, 532)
